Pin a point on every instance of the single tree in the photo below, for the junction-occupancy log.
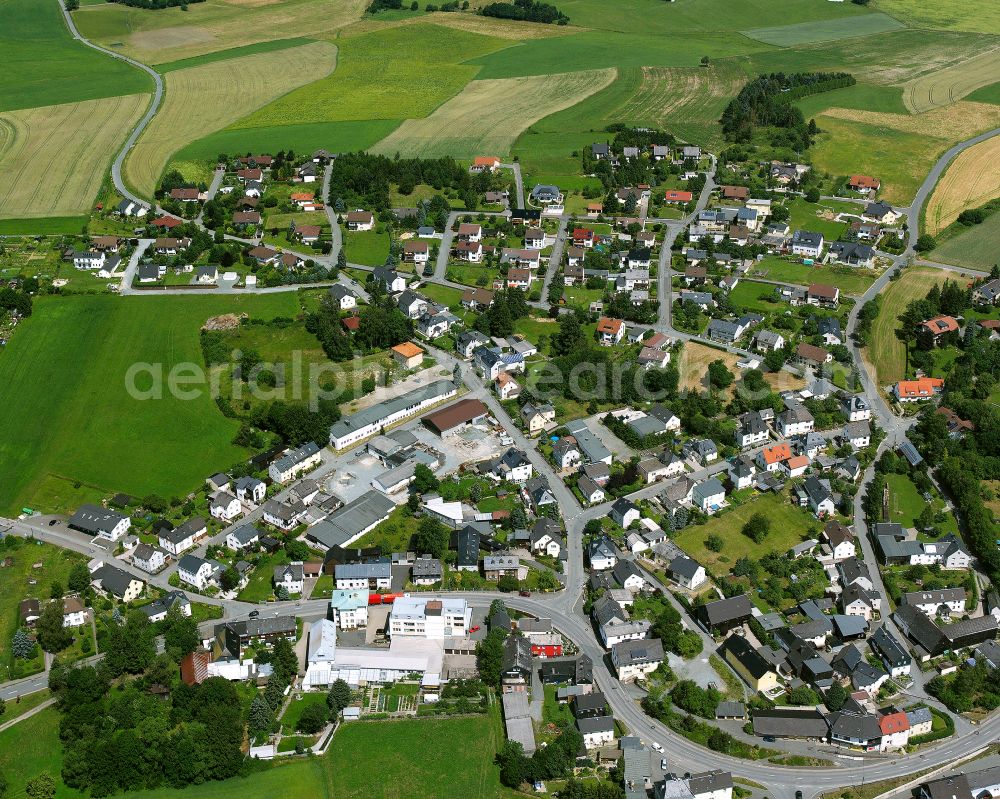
(338, 697)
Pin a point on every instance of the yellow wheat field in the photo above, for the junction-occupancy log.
(970, 180)
(201, 100)
(488, 115)
(952, 83)
(53, 158)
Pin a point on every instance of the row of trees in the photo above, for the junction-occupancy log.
(526, 10)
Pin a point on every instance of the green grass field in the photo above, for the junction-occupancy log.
(987, 94)
(966, 15)
(333, 136)
(693, 16)
(789, 526)
(43, 65)
(976, 247)
(750, 295)
(388, 760)
(599, 50)
(43, 226)
(820, 217)
(864, 96)
(367, 247)
(824, 31)
(847, 279)
(72, 419)
(885, 351)
(396, 73)
(16, 584)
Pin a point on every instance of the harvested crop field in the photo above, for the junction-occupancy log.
(687, 101)
(825, 31)
(222, 93)
(952, 83)
(488, 115)
(955, 122)
(170, 34)
(694, 362)
(54, 158)
(969, 181)
(886, 352)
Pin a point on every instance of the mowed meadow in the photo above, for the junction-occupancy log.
(68, 418)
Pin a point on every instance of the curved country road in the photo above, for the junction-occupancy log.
(154, 106)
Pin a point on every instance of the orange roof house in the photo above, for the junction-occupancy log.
(920, 389)
(408, 354)
(940, 324)
(484, 162)
(864, 183)
(302, 197)
(674, 196)
(777, 453)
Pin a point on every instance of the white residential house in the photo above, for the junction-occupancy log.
(349, 608)
(250, 489)
(290, 576)
(807, 244)
(635, 659)
(183, 537)
(687, 572)
(75, 612)
(244, 536)
(624, 513)
(149, 558)
(708, 494)
(195, 571)
(225, 506)
(294, 462)
(363, 576)
(596, 731)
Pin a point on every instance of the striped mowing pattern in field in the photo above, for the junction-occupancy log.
(970, 180)
(825, 31)
(687, 101)
(952, 83)
(54, 158)
(488, 115)
(204, 99)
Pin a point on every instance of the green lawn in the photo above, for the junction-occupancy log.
(789, 526)
(368, 247)
(73, 431)
(289, 721)
(446, 295)
(15, 585)
(906, 504)
(43, 226)
(43, 65)
(260, 587)
(533, 328)
(392, 535)
(752, 296)
(817, 217)
(846, 278)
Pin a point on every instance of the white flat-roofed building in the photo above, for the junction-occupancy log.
(429, 617)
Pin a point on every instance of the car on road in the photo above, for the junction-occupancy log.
(769, 739)
(524, 593)
(798, 795)
(253, 614)
(663, 764)
(656, 747)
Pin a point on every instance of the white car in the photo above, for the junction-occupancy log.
(657, 748)
(663, 764)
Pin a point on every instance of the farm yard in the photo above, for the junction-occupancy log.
(488, 115)
(222, 92)
(53, 158)
(885, 351)
(60, 436)
(970, 180)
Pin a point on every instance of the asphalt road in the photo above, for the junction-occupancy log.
(154, 106)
